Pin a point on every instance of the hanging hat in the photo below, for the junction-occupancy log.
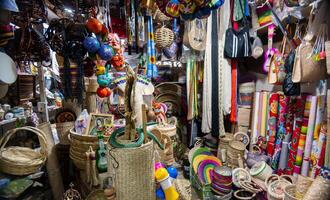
(9, 5)
(8, 73)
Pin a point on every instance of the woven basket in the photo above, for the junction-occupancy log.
(303, 183)
(319, 190)
(289, 192)
(22, 160)
(183, 187)
(63, 130)
(134, 172)
(79, 144)
(164, 37)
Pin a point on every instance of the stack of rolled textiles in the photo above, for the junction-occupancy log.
(222, 180)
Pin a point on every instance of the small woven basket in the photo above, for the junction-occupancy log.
(79, 145)
(20, 161)
(159, 16)
(289, 192)
(164, 37)
(63, 130)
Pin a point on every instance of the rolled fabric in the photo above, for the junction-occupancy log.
(260, 113)
(309, 137)
(264, 114)
(318, 151)
(282, 108)
(254, 128)
(302, 136)
(299, 107)
(287, 137)
(272, 118)
(319, 115)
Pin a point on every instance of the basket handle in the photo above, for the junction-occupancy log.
(38, 132)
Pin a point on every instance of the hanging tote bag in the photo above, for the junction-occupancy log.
(309, 66)
(290, 88)
(277, 72)
(237, 43)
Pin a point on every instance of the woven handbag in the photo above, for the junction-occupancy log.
(17, 160)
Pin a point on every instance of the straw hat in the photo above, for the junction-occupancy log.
(8, 73)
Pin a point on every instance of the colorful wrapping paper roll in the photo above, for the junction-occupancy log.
(272, 118)
(254, 128)
(318, 151)
(264, 114)
(282, 110)
(309, 137)
(151, 51)
(302, 137)
(299, 107)
(288, 133)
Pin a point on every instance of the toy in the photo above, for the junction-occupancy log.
(160, 110)
(173, 172)
(159, 165)
(160, 194)
(163, 177)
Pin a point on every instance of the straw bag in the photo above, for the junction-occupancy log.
(79, 144)
(134, 171)
(308, 66)
(17, 160)
(197, 34)
(63, 130)
(277, 72)
(164, 37)
(327, 52)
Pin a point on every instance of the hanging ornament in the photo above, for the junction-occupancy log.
(106, 52)
(72, 194)
(172, 8)
(187, 7)
(94, 25)
(100, 70)
(103, 92)
(117, 62)
(91, 44)
(104, 79)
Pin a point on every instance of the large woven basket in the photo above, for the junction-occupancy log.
(319, 190)
(289, 192)
(164, 37)
(134, 172)
(79, 144)
(17, 160)
(63, 130)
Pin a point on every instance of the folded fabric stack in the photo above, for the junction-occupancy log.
(222, 180)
